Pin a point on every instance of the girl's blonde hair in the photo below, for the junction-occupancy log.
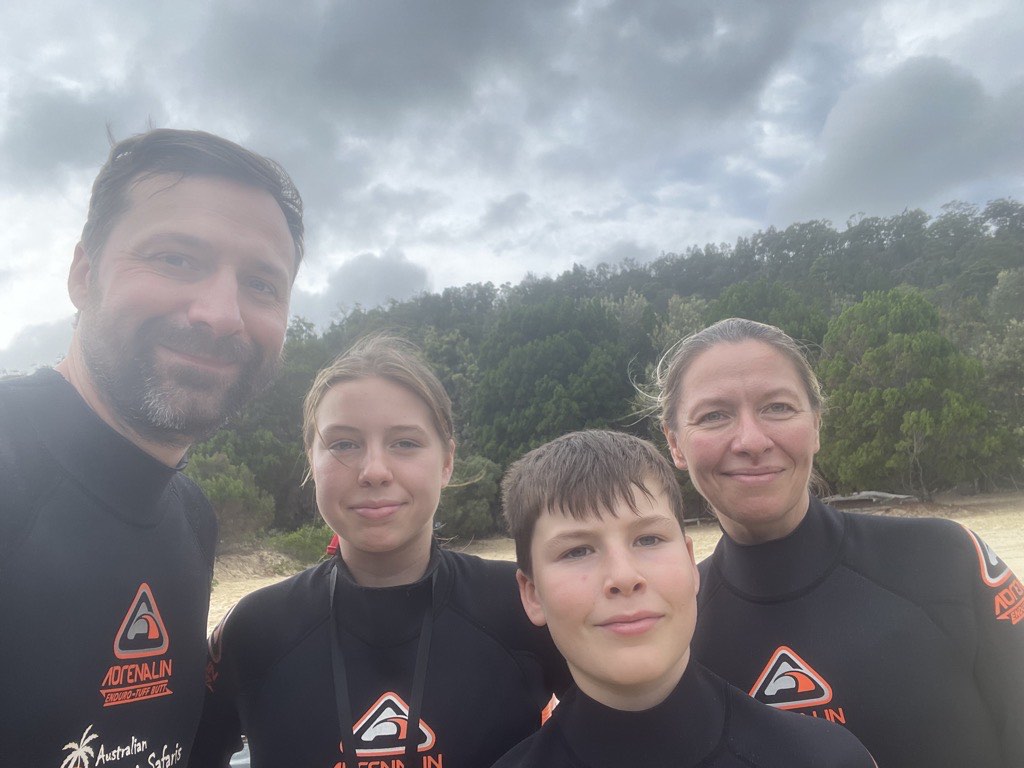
(388, 357)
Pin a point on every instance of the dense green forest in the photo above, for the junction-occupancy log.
(914, 323)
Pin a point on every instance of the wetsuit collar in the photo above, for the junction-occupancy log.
(415, 604)
(125, 478)
(681, 731)
(386, 617)
(781, 569)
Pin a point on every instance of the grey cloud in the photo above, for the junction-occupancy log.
(36, 345)
(506, 212)
(908, 139)
(49, 129)
(366, 280)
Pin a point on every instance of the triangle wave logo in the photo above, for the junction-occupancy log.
(789, 682)
(142, 632)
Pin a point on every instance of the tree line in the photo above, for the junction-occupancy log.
(914, 323)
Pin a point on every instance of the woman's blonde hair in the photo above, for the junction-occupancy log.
(674, 364)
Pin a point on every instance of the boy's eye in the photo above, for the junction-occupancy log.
(406, 444)
(648, 540)
(576, 552)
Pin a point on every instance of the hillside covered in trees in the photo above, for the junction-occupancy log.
(915, 325)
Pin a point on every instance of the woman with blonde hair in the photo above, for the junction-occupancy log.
(906, 631)
(395, 649)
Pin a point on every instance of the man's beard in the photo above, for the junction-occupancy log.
(170, 404)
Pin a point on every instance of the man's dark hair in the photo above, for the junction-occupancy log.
(184, 153)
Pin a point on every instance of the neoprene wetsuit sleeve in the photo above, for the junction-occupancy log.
(220, 731)
(999, 663)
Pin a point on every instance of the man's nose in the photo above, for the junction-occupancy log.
(215, 304)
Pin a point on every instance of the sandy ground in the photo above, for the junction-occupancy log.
(997, 518)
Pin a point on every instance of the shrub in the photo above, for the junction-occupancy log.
(242, 509)
(306, 544)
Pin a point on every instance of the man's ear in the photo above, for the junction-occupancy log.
(673, 447)
(531, 603)
(79, 277)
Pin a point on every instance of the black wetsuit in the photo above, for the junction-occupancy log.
(106, 557)
(910, 632)
(704, 722)
(488, 672)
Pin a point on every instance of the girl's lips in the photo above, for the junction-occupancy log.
(376, 510)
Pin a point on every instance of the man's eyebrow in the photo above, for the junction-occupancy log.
(184, 239)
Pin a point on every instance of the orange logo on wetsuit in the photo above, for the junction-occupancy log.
(1009, 592)
(381, 732)
(140, 640)
(789, 682)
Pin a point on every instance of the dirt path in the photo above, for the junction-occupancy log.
(997, 518)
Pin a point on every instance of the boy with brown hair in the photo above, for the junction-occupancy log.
(597, 518)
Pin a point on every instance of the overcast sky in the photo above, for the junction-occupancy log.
(438, 143)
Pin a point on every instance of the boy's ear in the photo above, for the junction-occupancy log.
(693, 564)
(531, 603)
(673, 447)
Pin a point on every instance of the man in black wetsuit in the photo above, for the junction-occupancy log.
(604, 563)
(182, 281)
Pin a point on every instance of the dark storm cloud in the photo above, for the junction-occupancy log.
(506, 212)
(367, 281)
(49, 129)
(601, 82)
(910, 138)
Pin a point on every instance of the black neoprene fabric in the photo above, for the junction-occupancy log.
(907, 631)
(106, 557)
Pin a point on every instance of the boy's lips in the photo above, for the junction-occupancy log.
(631, 623)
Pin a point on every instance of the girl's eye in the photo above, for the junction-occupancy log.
(342, 445)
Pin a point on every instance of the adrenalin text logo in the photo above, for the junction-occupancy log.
(141, 638)
(1008, 601)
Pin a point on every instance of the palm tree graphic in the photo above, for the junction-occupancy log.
(80, 751)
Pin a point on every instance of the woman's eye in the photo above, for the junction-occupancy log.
(342, 445)
(406, 444)
(779, 408)
(711, 418)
